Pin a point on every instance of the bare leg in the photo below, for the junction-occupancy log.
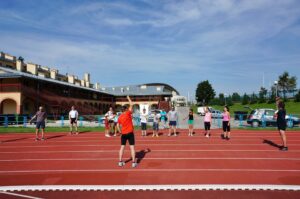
(76, 128)
(36, 133)
(283, 137)
(192, 130)
(43, 131)
(228, 134)
(174, 127)
(121, 152)
(170, 131)
(132, 153)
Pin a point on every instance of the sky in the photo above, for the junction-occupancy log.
(238, 45)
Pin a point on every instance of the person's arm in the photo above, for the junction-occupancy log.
(32, 118)
(130, 103)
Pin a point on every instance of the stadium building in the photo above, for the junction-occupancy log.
(25, 86)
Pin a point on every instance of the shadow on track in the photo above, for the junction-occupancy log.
(140, 155)
(14, 140)
(55, 136)
(271, 143)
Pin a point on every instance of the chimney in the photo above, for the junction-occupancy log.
(86, 77)
(32, 68)
(53, 73)
(71, 79)
(97, 86)
(82, 82)
(19, 65)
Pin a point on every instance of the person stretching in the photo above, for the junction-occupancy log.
(226, 124)
(125, 121)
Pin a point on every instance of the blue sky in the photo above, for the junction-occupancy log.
(231, 43)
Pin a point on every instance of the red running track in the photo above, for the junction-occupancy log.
(250, 157)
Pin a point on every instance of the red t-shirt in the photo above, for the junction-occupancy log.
(125, 120)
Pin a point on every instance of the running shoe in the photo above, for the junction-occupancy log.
(207, 136)
(134, 164)
(107, 136)
(284, 149)
(36, 139)
(121, 163)
(43, 139)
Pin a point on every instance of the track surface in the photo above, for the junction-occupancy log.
(250, 157)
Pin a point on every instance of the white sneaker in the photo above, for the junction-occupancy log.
(107, 136)
(121, 163)
(134, 165)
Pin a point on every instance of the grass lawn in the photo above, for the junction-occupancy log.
(291, 107)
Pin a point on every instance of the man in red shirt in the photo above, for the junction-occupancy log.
(125, 121)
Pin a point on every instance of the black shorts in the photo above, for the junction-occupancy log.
(41, 125)
(207, 126)
(73, 121)
(281, 126)
(111, 121)
(144, 126)
(226, 127)
(129, 137)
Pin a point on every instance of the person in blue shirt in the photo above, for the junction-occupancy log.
(163, 118)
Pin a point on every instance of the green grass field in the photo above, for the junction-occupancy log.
(291, 107)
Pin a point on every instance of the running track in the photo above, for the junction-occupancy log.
(249, 158)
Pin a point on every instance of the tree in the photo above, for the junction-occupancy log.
(236, 97)
(221, 99)
(253, 99)
(262, 95)
(229, 101)
(272, 97)
(297, 97)
(286, 83)
(204, 92)
(245, 99)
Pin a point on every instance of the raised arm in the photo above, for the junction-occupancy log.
(130, 103)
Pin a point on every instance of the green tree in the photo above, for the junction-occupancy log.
(245, 99)
(272, 97)
(236, 97)
(221, 99)
(262, 95)
(229, 101)
(286, 83)
(204, 92)
(297, 97)
(253, 99)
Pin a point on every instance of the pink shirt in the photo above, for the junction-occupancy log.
(226, 117)
(207, 117)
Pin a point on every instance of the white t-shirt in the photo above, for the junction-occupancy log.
(172, 116)
(156, 118)
(73, 114)
(143, 117)
(110, 115)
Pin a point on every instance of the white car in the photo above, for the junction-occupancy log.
(201, 110)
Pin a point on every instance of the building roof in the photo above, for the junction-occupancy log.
(10, 73)
(132, 90)
(141, 89)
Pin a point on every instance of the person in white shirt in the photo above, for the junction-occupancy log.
(73, 117)
(172, 117)
(144, 119)
(111, 117)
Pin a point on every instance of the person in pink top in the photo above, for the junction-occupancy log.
(226, 123)
(207, 122)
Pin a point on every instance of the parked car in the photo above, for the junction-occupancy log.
(216, 114)
(258, 116)
(201, 110)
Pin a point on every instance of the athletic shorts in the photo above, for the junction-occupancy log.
(281, 126)
(73, 121)
(155, 126)
(144, 126)
(207, 126)
(40, 125)
(172, 123)
(111, 121)
(129, 137)
(226, 128)
(191, 122)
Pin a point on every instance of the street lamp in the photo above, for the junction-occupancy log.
(276, 84)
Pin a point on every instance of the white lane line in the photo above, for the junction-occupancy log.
(179, 187)
(105, 159)
(143, 170)
(19, 195)
(117, 145)
(114, 151)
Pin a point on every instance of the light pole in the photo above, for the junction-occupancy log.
(276, 84)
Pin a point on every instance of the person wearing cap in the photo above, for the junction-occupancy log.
(125, 121)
